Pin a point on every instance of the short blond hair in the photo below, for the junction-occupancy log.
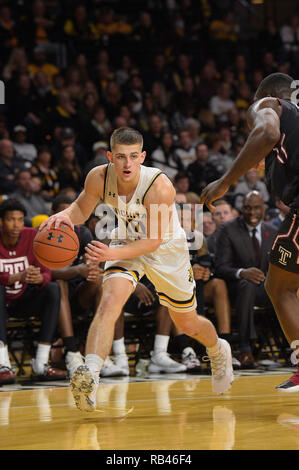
(126, 136)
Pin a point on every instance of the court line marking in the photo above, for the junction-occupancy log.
(213, 397)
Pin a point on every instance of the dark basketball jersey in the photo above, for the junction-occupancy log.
(282, 164)
(17, 259)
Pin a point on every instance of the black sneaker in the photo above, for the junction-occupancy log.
(291, 385)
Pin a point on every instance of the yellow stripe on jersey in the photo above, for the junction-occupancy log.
(105, 182)
(151, 182)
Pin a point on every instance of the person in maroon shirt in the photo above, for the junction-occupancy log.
(25, 288)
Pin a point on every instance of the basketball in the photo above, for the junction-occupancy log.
(56, 248)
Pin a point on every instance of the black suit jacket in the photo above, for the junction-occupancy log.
(235, 249)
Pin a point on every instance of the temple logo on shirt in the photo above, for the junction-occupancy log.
(14, 266)
(284, 254)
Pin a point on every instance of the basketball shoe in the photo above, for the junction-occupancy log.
(110, 369)
(72, 361)
(47, 374)
(291, 385)
(7, 375)
(190, 360)
(84, 388)
(161, 362)
(222, 369)
(122, 361)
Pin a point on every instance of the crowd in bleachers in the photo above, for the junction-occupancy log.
(183, 72)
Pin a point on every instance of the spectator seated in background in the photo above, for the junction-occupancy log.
(43, 169)
(33, 203)
(99, 157)
(10, 164)
(25, 289)
(283, 210)
(223, 213)
(242, 261)
(221, 103)
(252, 182)
(68, 170)
(201, 172)
(185, 152)
(208, 224)
(23, 149)
(181, 182)
(67, 136)
(165, 157)
(80, 285)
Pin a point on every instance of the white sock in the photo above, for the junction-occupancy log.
(161, 343)
(4, 358)
(118, 346)
(94, 364)
(42, 357)
(214, 350)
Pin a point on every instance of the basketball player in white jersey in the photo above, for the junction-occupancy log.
(159, 250)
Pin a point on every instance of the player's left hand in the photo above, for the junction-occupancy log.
(213, 191)
(97, 251)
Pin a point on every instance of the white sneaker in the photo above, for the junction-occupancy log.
(84, 388)
(72, 361)
(122, 361)
(109, 369)
(190, 360)
(222, 369)
(161, 362)
(236, 363)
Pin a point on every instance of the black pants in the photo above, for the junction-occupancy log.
(246, 295)
(44, 303)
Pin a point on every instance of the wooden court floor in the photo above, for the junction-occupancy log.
(177, 412)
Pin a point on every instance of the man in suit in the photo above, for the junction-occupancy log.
(242, 261)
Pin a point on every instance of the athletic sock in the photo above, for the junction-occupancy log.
(118, 346)
(41, 358)
(161, 343)
(94, 364)
(214, 350)
(4, 358)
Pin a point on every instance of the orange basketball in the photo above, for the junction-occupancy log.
(56, 248)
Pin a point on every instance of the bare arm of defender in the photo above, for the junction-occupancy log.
(82, 207)
(263, 119)
(161, 193)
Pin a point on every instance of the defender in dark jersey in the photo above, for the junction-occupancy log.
(274, 123)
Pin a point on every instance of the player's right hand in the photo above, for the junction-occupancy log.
(213, 191)
(55, 221)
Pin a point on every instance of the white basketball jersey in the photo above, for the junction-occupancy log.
(132, 216)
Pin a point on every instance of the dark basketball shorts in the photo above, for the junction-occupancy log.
(285, 249)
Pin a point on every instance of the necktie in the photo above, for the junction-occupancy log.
(257, 248)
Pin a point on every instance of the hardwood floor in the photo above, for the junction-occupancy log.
(167, 412)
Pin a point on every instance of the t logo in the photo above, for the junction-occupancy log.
(283, 255)
(59, 238)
